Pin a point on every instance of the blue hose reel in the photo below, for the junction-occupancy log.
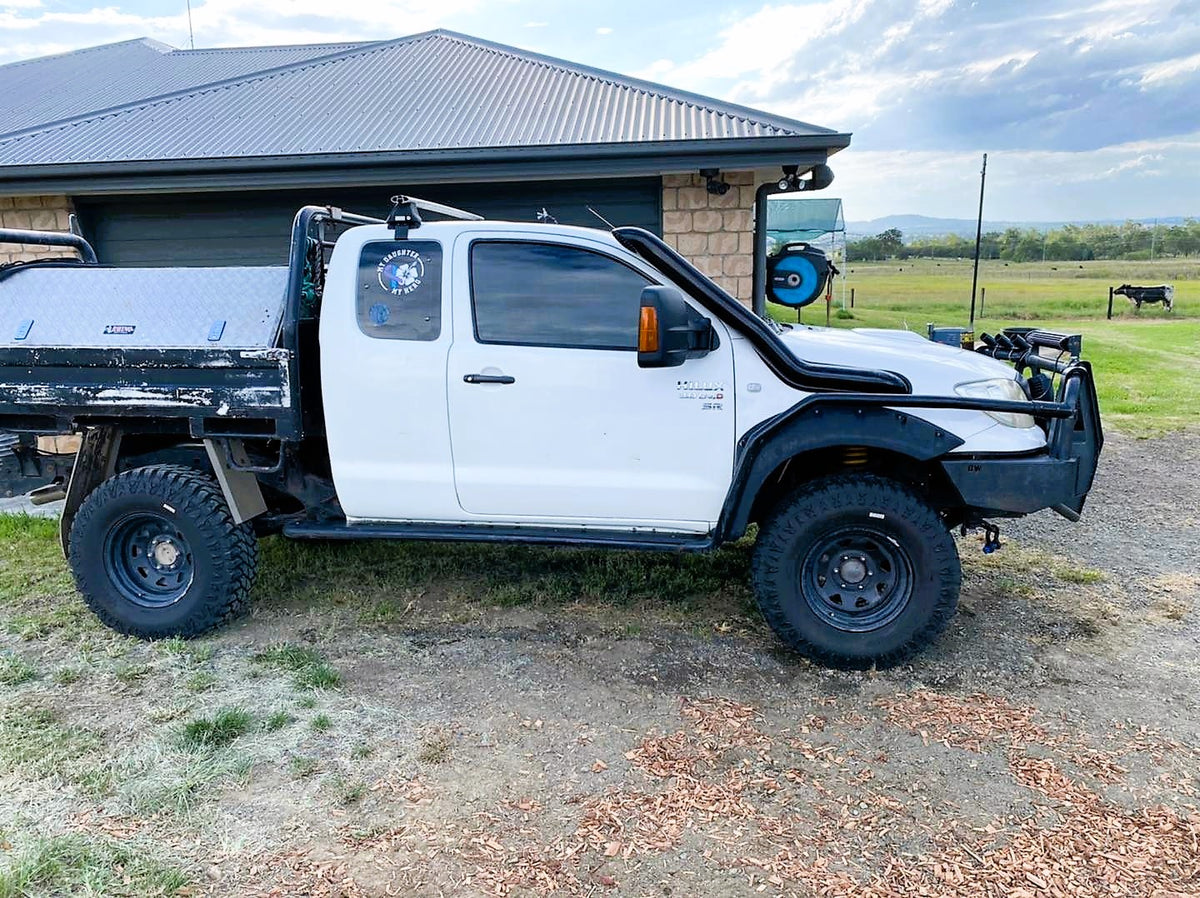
(797, 274)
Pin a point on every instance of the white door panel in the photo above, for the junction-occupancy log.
(584, 435)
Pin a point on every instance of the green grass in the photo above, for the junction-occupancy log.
(65, 676)
(201, 681)
(1147, 364)
(322, 723)
(218, 731)
(36, 592)
(277, 721)
(131, 673)
(308, 666)
(15, 670)
(372, 574)
(83, 865)
(302, 767)
(1073, 573)
(34, 741)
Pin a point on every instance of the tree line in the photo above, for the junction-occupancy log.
(1069, 243)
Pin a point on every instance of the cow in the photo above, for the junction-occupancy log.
(1164, 293)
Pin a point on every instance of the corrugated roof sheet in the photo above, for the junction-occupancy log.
(437, 90)
(37, 92)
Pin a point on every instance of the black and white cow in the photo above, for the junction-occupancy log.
(1164, 293)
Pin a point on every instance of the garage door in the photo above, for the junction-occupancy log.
(253, 228)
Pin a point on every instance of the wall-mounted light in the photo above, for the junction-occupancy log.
(713, 183)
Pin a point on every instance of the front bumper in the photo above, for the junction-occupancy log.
(1058, 477)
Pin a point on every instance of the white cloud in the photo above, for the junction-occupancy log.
(1127, 180)
(604, 31)
(1065, 74)
(1172, 68)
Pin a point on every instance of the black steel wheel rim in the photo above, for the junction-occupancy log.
(148, 560)
(856, 579)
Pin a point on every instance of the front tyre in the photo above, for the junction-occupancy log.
(155, 553)
(856, 570)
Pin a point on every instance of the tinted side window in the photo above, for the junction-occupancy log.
(400, 289)
(548, 295)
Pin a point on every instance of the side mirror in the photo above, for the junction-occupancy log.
(669, 331)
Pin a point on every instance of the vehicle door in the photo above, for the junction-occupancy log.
(552, 420)
(385, 334)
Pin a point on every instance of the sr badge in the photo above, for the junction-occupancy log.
(401, 272)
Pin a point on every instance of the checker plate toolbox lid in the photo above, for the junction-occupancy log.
(97, 307)
(194, 348)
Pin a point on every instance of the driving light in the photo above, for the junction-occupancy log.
(998, 388)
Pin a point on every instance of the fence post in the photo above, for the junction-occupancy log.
(982, 299)
(852, 297)
(1110, 298)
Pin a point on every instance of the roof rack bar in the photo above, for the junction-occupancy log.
(406, 213)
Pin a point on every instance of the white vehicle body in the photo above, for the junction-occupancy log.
(409, 440)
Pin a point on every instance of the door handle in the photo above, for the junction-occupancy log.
(489, 379)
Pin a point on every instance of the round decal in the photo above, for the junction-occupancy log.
(379, 314)
(401, 272)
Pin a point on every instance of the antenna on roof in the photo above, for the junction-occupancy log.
(191, 34)
(602, 218)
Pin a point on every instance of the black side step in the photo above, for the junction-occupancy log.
(488, 533)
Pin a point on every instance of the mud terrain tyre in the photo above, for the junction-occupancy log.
(155, 553)
(856, 570)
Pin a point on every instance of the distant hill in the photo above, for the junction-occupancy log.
(926, 226)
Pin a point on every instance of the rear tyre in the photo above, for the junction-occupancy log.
(155, 553)
(856, 570)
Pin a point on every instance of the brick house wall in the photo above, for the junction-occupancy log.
(34, 213)
(716, 233)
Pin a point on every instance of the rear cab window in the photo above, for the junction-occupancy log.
(399, 290)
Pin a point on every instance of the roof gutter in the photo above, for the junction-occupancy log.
(418, 166)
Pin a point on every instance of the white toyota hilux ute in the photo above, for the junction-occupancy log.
(496, 381)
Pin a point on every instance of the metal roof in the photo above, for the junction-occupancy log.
(39, 92)
(436, 94)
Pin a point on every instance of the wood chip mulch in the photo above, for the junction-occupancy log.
(814, 823)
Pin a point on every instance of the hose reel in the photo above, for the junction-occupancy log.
(797, 274)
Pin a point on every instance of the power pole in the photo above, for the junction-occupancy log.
(978, 239)
(191, 34)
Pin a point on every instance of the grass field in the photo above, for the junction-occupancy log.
(1147, 363)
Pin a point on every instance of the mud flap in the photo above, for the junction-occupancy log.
(95, 462)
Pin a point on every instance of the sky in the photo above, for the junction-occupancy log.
(1088, 109)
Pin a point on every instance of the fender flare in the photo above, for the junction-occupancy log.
(815, 424)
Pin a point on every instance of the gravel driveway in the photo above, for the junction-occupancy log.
(1142, 519)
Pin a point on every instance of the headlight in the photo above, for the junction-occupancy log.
(999, 388)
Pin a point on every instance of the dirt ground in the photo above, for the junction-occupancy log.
(418, 738)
